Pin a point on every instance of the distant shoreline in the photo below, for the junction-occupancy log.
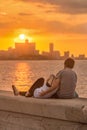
(35, 59)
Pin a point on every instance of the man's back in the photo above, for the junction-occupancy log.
(67, 85)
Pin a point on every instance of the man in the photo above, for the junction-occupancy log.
(65, 80)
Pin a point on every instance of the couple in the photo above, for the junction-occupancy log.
(60, 86)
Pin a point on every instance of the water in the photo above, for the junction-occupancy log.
(24, 73)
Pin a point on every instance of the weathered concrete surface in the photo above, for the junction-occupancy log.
(20, 113)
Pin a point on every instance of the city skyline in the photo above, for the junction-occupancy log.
(62, 22)
(27, 50)
(22, 41)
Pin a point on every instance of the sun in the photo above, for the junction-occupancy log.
(22, 36)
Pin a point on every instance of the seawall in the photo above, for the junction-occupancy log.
(20, 113)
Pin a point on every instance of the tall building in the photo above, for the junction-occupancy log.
(51, 48)
(27, 48)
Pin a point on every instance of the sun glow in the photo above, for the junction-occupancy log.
(22, 36)
(30, 39)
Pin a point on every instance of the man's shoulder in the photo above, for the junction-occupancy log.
(66, 71)
(58, 75)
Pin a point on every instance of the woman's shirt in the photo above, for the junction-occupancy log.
(38, 91)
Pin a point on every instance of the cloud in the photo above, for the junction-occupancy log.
(3, 13)
(4, 25)
(64, 6)
(43, 26)
(56, 27)
(80, 28)
(24, 14)
(49, 11)
(48, 27)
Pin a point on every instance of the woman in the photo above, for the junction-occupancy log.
(39, 89)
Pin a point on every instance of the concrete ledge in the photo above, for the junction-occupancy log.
(20, 113)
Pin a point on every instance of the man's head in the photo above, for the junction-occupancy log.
(69, 62)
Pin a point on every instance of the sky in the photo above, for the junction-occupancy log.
(62, 22)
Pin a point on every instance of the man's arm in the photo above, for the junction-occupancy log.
(55, 85)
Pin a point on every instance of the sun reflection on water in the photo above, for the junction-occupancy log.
(22, 74)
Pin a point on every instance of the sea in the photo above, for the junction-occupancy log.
(24, 73)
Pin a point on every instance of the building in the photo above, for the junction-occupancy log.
(51, 48)
(81, 56)
(56, 55)
(27, 48)
(66, 54)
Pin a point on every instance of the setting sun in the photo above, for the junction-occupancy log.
(22, 36)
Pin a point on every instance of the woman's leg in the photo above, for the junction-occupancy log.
(17, 92)
(37, 84)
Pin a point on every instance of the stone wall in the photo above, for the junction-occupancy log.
(21, 113)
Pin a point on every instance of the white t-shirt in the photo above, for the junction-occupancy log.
(38, 91)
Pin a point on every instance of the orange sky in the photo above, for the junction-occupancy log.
(63, 22)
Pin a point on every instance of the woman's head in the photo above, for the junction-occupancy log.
(69, 62)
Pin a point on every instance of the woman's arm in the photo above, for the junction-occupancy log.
(55, 85)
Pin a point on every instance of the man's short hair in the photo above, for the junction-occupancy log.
(69, 62)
